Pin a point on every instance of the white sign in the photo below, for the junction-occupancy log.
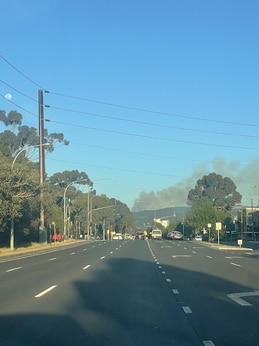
(218, 226)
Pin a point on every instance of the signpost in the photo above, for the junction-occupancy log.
(209, 227)
(218, 228)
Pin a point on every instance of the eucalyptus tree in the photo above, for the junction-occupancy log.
(65, 178)
(220, 191)
(17, 135)
(19, 186)
(202, 213)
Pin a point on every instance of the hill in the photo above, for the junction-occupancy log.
(144, 218)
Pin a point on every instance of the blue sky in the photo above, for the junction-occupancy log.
(154, 94)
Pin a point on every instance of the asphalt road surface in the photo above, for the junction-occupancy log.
(131, 293)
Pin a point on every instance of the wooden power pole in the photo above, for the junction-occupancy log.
(42, 228)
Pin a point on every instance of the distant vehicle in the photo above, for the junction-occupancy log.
(127, 236)
(117, 236)
(156, 234)
(140, 235)
(175, 235)
(57, 237)
(198, 238)
(178, 235)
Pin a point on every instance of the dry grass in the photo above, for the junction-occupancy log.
(34, 247)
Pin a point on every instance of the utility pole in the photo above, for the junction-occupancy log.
(42, 229)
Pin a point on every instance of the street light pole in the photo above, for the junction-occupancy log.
(89, 208)
(64, 203)
(88, 213)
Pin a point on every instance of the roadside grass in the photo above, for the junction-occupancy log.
(30, 247)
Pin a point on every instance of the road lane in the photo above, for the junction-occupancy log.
(120, 299)
(203, 281)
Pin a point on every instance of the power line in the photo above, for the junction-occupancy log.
(18, 71)
(152, 137)
(145, 110)
(139, 153)
(18, 91)
(121, 169)
(16, 105)
(151, 124)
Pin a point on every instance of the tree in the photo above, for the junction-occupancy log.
(12, 119)
(19, 187)
(19, 136)
(220, 191)
(203, 213)
(66, 177)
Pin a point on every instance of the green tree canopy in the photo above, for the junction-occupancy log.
(65, 178)
(19, 136)
(203, 213)
(220, 191)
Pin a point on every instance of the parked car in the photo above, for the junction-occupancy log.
(198, 237)
(57, 237)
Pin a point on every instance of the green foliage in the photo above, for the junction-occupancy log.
(21, 196)
(202, 213)
(12, 119)
(17, 137)
(220, 191)
(65, 178)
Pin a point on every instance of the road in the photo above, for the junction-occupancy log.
(131, 293)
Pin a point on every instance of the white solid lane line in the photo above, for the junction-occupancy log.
(11, 270)
(45, 291)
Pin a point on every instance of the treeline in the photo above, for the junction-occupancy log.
(69, 200)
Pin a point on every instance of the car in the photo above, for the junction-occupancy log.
(139, 235)
(57, 237)
(117, 236)
(198, 237)
(156, 234)
(178, 235)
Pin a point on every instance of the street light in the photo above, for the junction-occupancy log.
(26, 148)
(88, 204)
(12, 219)
(89, 210)
(64, 202)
